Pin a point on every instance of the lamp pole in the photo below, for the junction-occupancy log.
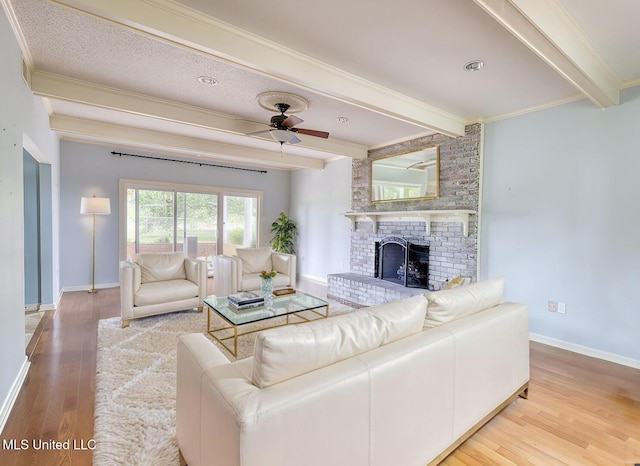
(93, 268)
(94, 206)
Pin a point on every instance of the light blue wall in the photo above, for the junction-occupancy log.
(560, 220)
(318, 198)
(88, 169)
(22, 117)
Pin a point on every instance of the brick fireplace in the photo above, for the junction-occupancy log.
(402, 262)
(450, 233)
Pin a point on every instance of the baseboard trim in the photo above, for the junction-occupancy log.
(314, 278)
(585, 350)
(13, 393)
(87, 288)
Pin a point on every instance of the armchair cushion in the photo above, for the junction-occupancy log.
(255, 260)
(167, 291)
(161, 267)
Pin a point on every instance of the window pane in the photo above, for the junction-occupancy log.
(155, 221)
(197, 224)
(240, 223)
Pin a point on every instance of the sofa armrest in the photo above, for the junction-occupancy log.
(129, 284)
(285, 264)
(195, 354)
(196, 270)
(225, 275)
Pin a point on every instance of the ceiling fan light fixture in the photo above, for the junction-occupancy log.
(280, 135)
(475, 65)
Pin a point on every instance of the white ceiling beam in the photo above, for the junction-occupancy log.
(59, 87)
(193, 147)
(172, 22)
(546, 28)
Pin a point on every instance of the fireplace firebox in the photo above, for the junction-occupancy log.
(402, 262)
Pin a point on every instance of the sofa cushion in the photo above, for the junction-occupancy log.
(255, 260)
(286, 352)
(446, 305)
(165, 292)
(155, 267)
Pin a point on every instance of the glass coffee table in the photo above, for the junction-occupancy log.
(293, 304)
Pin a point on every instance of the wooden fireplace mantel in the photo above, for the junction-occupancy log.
(426, 216)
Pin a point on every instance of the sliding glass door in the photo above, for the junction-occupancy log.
(200, 221)
(197, 225)
(240, 222)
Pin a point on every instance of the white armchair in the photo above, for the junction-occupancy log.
(158, 283)
(241, 272)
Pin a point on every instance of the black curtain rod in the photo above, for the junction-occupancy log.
(202, 164)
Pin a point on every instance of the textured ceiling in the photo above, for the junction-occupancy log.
(391, 70)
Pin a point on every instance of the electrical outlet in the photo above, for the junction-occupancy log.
(552, 306)
(562, 308)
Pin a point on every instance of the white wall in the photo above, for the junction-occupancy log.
(88, 169)
(318, 197)
(560, 220)
(21, 117)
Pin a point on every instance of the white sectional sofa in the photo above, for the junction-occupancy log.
(377, 387)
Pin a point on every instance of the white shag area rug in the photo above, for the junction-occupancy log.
(135, 393)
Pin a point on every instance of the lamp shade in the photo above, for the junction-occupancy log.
(95, 205)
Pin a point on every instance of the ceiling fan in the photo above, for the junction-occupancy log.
(283, 127)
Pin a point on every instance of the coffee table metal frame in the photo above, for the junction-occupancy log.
(283, 306)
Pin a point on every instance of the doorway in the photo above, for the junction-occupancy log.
(38, 240)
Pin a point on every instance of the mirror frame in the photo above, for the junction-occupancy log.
(400, 154)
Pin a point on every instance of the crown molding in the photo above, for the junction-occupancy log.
(525, 111)
(17, 32)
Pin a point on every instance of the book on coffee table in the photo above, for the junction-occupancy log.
(242, 307)
(245, 298)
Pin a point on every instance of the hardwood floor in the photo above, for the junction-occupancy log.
(56, 400)
(580, 410)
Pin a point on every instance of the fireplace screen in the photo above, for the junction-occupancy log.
(402, 262)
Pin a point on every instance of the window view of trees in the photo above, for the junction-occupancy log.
(241, 222)
(161, 220)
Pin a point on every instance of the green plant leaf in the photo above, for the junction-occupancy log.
(284, 232)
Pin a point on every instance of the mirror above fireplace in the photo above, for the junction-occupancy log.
(406, 176)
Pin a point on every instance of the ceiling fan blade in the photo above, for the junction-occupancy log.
(294, 140)
(292, 121)
(256, 133)
(311, 132)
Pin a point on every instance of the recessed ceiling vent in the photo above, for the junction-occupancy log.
(475, 65)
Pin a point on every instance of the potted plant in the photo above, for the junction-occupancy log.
(284, 232)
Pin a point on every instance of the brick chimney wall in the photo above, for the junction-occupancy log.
(451, 253)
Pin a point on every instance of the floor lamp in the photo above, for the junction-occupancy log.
(94, 206)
